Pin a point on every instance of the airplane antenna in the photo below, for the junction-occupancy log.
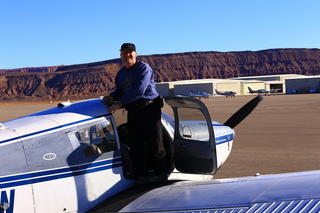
(2, 126)
(243, 112)
(64, 104)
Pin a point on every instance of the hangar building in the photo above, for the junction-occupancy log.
(206, 86)
(303, 84)
(209, 86)
(169, 88)
(239, 85)
(272, 82)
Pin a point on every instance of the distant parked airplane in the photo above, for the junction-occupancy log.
(227, 93)
(199, 95)
(275, 90)
(266, 92)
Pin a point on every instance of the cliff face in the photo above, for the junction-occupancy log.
(200, 65)
(31, 69)
(94, 79)
(57, 85)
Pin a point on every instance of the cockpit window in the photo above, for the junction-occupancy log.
(97, 138)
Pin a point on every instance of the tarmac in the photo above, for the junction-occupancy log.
(281, 135)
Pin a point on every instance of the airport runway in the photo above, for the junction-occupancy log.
(281, 135)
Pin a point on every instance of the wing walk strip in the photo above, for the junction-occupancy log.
(291, 206)
(58, 173)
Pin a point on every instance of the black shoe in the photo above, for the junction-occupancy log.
(140, 182)
(162, 178)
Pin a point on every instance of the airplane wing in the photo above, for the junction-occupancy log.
(199, 95)
(291, 192)
(191, 94)
(194, 95)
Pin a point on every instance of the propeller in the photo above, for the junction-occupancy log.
(243, 112)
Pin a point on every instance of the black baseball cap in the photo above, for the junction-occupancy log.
(128, 46)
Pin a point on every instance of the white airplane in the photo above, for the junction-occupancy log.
(227, 93)
(73, 157)
(199, 95)
(259, 91)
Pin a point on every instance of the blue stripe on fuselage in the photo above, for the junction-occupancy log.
(224, 139)
(38, 177)
(46, 130)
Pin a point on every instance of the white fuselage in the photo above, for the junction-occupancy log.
(46, 166)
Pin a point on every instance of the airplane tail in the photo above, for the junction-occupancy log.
(192, 93)
(250, 90)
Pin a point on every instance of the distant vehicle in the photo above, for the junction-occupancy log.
(227, 93)
(199, 95)
(259, 91)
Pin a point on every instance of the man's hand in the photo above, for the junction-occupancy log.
(114, 107)
(107, 100)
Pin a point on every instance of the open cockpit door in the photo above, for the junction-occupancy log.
(194, 141)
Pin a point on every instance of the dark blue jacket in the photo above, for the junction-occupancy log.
(135, 83)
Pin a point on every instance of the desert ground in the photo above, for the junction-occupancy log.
(281, 135)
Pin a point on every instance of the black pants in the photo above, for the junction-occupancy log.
(145, 139)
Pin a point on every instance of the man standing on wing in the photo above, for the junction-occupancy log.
(136, 92)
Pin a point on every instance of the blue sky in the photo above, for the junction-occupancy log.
(37, 33)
